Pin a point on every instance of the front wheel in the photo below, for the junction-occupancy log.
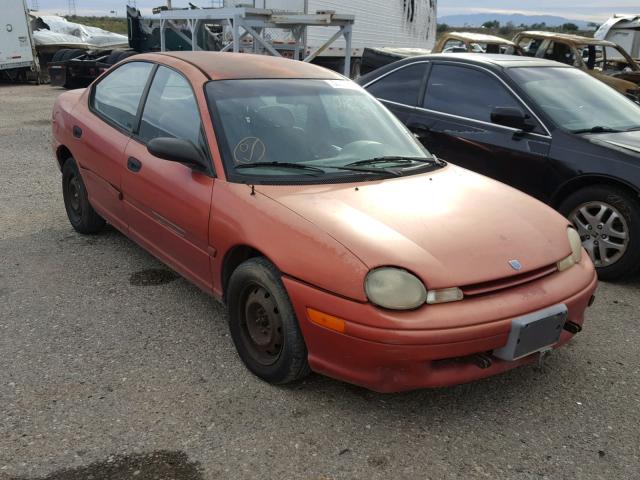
(82, 216)
(263, 324)
(608, 221)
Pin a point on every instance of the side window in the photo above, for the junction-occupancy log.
(560, 52)
(170, 109)
(117, 96)
(466, 92)
(401, 86)
(453, 46)
(529, 45)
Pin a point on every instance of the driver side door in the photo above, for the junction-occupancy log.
(167, 204)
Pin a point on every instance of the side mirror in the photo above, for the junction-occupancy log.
(178, 150)
(512, 117)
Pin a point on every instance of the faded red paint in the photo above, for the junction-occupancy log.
(450, 227)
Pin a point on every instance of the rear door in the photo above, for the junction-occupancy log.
(101, 134)
(167, 204)
(454, 122)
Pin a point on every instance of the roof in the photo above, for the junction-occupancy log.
(575, 39)
(497, 59)
(479, 37)
(229, 65)
(489, 60)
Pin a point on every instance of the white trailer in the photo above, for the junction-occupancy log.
(378, 23)
(623, 30)
(17, 54)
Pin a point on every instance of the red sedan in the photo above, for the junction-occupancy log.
(338, 243)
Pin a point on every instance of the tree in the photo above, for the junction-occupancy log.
(538, 26)
(442, 27)
(492, 25)
(569, 27)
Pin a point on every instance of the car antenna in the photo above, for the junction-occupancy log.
(253, 190)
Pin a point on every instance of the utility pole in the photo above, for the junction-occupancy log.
(35, 5)
(71, 4)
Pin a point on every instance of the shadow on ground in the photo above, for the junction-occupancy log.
(149, 466)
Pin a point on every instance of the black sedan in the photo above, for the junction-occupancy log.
(543, 127)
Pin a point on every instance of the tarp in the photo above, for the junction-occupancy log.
(54, 30)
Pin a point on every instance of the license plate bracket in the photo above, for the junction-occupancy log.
(533, 333)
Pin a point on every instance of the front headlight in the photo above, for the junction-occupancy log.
(394, 288)
(576, 251)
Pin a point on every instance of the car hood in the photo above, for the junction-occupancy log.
(618, 83)
(451, 227)
(626, 141)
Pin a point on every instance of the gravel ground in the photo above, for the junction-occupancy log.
(110, 367)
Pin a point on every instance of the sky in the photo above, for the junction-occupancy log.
(590, 10)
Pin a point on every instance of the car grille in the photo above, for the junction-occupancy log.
(500, 284)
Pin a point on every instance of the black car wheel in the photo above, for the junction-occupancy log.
(263, 325)
(83, 218)
(59, 54)
(608, 221)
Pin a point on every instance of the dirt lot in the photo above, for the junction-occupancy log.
(112, 369)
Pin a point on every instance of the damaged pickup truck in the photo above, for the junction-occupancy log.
(604, 60)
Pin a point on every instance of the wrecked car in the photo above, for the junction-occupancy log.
(470, 42)
(337, 241)
(606, 61)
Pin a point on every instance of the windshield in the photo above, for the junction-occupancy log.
(309, 130)
(575, 101)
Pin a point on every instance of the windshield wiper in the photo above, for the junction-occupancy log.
(377, 171)
(299, 166)
(597, 129)
(395, 159)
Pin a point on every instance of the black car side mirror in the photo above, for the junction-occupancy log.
(512, 117)
(178, 150)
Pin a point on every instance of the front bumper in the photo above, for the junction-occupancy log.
(395, 351)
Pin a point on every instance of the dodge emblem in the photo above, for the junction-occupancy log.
(515, 264)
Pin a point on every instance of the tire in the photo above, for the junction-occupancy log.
(263, 325)
(607, 216)
(72, 53)
(116, 55)
(126, 54)
(83, 218)
(112, 58)
(57, 56)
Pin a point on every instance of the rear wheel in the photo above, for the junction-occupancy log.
(608, 221)
(82, 216)
(57, 56)
(71, 53)
(263, 324)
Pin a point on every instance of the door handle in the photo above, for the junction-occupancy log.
(77, 131)
(134, 164)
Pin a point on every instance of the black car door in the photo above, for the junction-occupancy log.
(454, 122)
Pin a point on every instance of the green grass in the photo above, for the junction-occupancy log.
(112, 24)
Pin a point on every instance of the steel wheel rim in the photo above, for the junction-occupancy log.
(603, 230)
(261, 325)
(73, 190)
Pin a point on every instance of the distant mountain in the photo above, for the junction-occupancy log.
(477, 19)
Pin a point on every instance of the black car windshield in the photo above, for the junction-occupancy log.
(310, 131)
(577, 102)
